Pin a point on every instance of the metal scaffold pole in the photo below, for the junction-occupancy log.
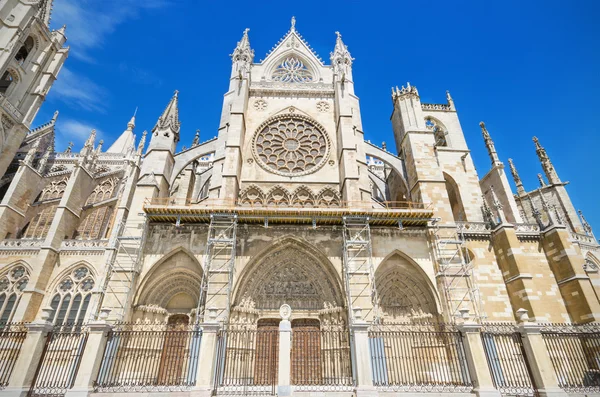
(455, 269)
(217, 279)
(359, 274)
(123, 269)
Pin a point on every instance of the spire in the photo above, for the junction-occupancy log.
(45, 11)
(497, 206)
(341, 60)
(586, 226)
(170, 118)
(516, 178)
(547, 166)
(126, 140)
(99, 147)
(243, 55)
(44, 160)
(489, 144)
(142, 142)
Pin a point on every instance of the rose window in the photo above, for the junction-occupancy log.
(291, 145)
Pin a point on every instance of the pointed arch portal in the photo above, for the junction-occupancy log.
(291, 272)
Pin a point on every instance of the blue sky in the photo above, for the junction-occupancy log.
(524, 67)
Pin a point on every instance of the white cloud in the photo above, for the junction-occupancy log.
(78, 91)
(89, 22)
(75, 131)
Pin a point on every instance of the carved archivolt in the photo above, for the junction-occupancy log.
(404, 293)
(302, 196)
(291, 273)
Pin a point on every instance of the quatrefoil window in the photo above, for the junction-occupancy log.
(292, 70)
(291, 145)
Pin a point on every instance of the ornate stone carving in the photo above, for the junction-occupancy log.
(291, 145)
(292, 70)
(323, 106)
(302, 196)
(260, 105)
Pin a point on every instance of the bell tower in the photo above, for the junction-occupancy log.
(31, 56)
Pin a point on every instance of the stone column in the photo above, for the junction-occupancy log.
(538, 358)
(362, 357)
(476, 360)
(207, 360)
(285, 352)
(26, 366)
(91, 360)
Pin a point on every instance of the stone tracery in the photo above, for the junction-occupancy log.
(291, 145)
(278, 195)
(292, 70)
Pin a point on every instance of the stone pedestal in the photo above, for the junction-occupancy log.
(476, 360)
(539, 361)
(207, 359)
(285, 355)
(362, 357)
(91, 360)
(23, 374)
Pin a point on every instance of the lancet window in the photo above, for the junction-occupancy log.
(439, 132)
(72, 297)
(48, 199)
(95, 224)
(292, 70)
(24, 51)
(12, 284)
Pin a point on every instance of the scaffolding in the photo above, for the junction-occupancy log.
(460, 289)
(123, 270)
(217, 280)
(359, 274)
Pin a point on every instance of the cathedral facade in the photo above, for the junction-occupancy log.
(288, 213)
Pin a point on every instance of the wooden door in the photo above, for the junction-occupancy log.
(174, 350)
(266, 360)
(306, 352)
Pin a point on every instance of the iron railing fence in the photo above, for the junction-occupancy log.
(247, 361)
(418, 358)
(12, 336)
(60, 360)
(321, 360)
(506, 359)
(149, 357)
(575, 354)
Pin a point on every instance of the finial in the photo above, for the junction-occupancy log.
(69, 148)
(176, 93)
(196, 140)
(541, 180)
(586, 226)
(448, 97)
(246, 31)
(135, 113)
(293, 23)
(487, 212)
(547, 166)
(384, 146)
(489, 144)
(516, 178)
(142, 142)
(339, 35)
(55, 116)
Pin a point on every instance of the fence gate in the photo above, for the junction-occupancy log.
(506, 359)
(60, 360)
(247, 361)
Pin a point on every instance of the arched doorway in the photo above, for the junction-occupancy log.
(174, 347)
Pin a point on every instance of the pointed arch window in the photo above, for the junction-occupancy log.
(95, 224)
(40, 224)
(292, 70)
(5, 82)
(439, 133)
(12, 284)
(72, 297)
(24, 51)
